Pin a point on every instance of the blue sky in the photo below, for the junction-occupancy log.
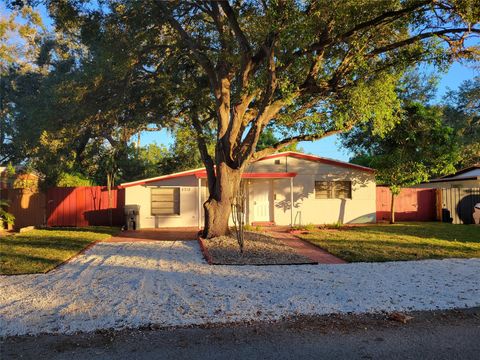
(329, 147)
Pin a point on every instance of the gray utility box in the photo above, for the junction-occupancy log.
(132, 216)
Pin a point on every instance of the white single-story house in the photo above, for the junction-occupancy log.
(464, 178)
(323, 191)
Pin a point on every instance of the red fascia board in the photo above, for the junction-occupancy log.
(203, 175)
(317, 159)
(161, 178)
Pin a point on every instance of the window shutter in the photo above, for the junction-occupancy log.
(322, 190)
(165, 201)
(343, 189)
(333, 189)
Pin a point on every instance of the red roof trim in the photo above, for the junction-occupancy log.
(202, 174)
(257, 175)
(318, 159)
(161, 178)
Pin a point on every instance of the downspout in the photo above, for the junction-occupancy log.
(291, 202)
(199, 212)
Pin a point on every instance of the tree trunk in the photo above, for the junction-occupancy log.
(217, 214)
(218, 206)
(392, 209)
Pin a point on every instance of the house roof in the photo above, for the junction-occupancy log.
(469, 173)
(318, 159)
(201, 173)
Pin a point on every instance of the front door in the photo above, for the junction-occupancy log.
(261, 200)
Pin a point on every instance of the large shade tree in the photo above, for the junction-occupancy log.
(307, 69)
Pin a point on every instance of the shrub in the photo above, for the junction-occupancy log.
(335, 225)
(309, 227)
(5, 216)
(248, 227)
(72, 180)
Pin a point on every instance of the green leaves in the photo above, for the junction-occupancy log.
(418, 147)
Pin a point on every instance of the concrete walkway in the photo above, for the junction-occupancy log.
(305, 248)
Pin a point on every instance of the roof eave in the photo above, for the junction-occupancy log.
(318, 159)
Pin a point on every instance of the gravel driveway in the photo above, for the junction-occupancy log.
(119, 285)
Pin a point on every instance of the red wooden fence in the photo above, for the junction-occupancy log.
(410, 204)
(84, 206)
(28, 207)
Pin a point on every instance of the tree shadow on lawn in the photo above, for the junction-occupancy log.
(40, 251)
(29, 264)
(432, 231)
(92, 229)
(60, 243)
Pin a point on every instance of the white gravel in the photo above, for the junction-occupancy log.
(117, 285)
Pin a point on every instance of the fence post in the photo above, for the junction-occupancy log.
(438, 203)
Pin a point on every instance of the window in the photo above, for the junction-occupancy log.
(166, 201)
(333, 189)
(278, 162)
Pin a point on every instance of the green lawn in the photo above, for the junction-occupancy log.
(38, 251)
(405, 241)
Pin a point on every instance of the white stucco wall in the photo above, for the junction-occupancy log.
(359, 209)
(307, 209)
(140, 195)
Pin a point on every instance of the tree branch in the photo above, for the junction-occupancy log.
(294, 139)
(419, 37)
(239, 34)
(386, 15)
(206, 158)
(190, 43)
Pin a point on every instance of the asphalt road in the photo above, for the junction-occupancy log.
(429, 335)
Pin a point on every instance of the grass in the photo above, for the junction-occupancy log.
(403, 241)
(38, 251)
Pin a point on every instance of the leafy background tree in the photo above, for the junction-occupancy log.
(418, 147)
(268, 138)
(21, 35)
(462, 113)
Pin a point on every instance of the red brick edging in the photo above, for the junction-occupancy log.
(203, 248)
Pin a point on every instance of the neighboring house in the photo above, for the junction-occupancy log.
(20, 179)
(465, 178)
(323, 191)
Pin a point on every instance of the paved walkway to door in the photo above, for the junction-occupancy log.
(303, 247)
(162, 234)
